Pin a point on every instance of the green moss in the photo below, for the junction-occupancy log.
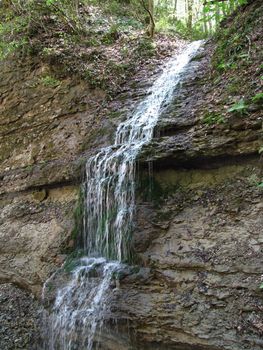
(115, 114)
(233, 87)
(73, 261)
(149, 189)
(78, 217)
(40, 196)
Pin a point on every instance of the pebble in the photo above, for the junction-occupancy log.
(18, 318)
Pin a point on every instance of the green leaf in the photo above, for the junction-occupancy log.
(261, 286)
(258, 97)
(260, 185)
(50, 2)
(238, 107)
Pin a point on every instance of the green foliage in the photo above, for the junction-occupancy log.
(217, 10)
(225, 66)
(73, 261)
(49, 81)
(112, 35)
(258, 98)
(146, 47)
(20, 22)
(255, 180)
(212, 118)
(239, 107)
(94, 80)
(194, 20)
(9, 33)
(234, 41)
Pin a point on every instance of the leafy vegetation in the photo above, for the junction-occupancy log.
(213, 118)
(73, 261)
(239, 107)
(258, 98)
(49, 81)
(23, 21)
(193, 18)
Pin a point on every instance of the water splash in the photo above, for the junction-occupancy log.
(110, 174)
(78, 307)
(109, 207)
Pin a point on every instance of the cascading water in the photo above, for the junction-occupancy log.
(109, 208)
(78, 306)
(110, 185)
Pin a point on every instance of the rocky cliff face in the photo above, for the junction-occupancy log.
(198, 232)
(199, 223)
(48, 129)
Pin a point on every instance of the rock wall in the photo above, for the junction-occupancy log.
(43, 132)
(47, 133)
(199, 221)
(200, 240)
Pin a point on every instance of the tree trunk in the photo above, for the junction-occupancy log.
(190, 15)
(205, 21)
(217, 14)
(151, 28)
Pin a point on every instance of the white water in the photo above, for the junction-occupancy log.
(78, 308)
(110, 185)
(109, 208)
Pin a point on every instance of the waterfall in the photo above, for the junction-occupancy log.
(110, 174)
(109, 207)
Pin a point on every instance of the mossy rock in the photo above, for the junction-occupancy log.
(40, 196)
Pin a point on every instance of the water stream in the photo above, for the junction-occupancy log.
(109, 189)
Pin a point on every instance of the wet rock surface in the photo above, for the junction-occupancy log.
(47, 133)
(201, 237)
(187, 131)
